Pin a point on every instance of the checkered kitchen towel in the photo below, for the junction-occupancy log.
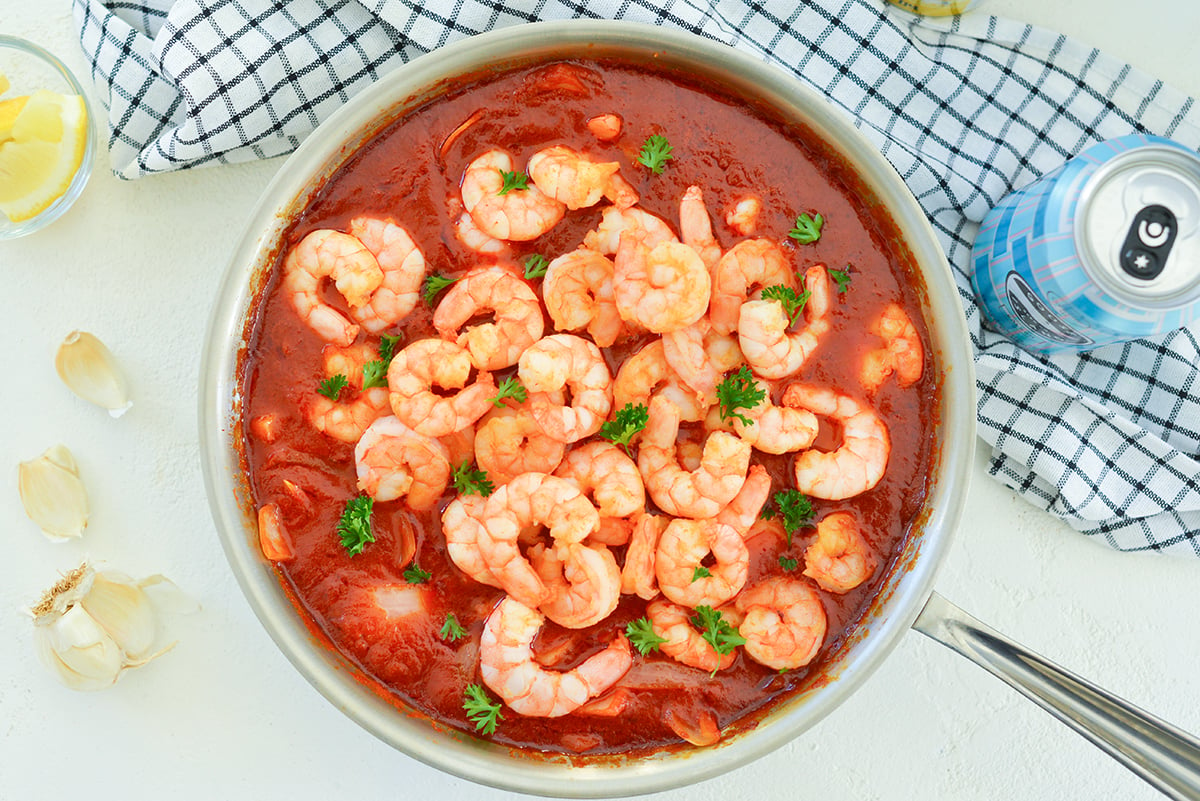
(966, 110)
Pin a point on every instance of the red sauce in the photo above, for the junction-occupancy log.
(719, 145)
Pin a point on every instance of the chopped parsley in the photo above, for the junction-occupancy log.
(387, 347)
(796, 511)
(788, 563)
(793, 302)
(452, 630)
(716, 631)
(375, 374)
(434, 284)
(701, 572)
(354, 527)
(415, 575)
(332, 387)
(513, 181)
(626, 423)
(841, 278)
(739, 391)
(642, 636)
(535, 266)
(656, 152)
(481, 710)
(510, 387)
(808, 229)
(470, 481)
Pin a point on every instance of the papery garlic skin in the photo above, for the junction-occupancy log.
(88, 368)
(53, 494)
(90, 627)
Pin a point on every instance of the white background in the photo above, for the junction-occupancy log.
(224, 716)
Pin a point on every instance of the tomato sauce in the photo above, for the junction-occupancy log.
(410, 172)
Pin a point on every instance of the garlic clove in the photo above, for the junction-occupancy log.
(122, 608)
(53, 494)
(88, 368)
(79, 651)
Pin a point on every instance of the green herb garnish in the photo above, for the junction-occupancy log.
(535, 266)
(387, 347)
(510, 387)
(452, 630)
(481, 710)
(626, 423)
(415, 575)
(656, 152)
(641, 635)
(332, 387)
(841, 278)
(808, 229)
(375, 374)
(796, 511)
(701, 572)
(739, 391)
(354, 528)
(434, 284)
(716, 631)
(793, 302)
(514, 180)
(787, 563)
(470, 481)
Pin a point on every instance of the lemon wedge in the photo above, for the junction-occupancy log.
(40, 151)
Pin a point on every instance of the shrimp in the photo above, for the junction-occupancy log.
(347, 420)
(565, 360)
(742, 512)
(531, 499)
(507, 666)
(605, 127)
(776, 429)
(518, 316)
(609, 475)
(902, 353)
(584, 582)
(615, 221)
(637, 574)
(661, 288)
(403, 267)
(355, 271)
(578, 290)
(784, 623)
(701, 357)
(682, 549)
(742, 217)
(467, 232)
(573, 179)
(700, 493)
(686, 645)
(770, 349)
(695, 227)
(839, 559)
(394, 461)
(517, 215)
(646, 374)
(425, 364)
(854, 467)
(747, 267)
(509, 442)
(462, 526)
(459, 445)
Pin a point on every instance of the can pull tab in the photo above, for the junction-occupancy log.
(1148, 242)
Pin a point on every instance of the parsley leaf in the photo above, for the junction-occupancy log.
(716, 631)
(793, 303)
(354, 528)
(788, 563)
(796, 510)
(739, 390)
(701, 572)
(535, 266)
(514, 180)
(415, 575)
(387, 347)
(656, 152)
(808, 229)
(481, 710)
(434, 284)
(469, 481)
(452, 630)
(642, 636)
(841, 278)
(626, 423)
(375, 374)
(510, 387)
(332, 387)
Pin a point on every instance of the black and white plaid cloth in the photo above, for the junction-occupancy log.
(966, 110)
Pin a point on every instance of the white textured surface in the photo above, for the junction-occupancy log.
(225, 716)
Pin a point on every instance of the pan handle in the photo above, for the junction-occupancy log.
(1165, 756)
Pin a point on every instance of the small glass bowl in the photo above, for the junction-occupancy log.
(28, 68)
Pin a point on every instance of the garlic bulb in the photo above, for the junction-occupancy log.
(89, 369)
(53, 495)
(90, 627)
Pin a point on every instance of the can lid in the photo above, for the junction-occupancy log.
(1138, 226)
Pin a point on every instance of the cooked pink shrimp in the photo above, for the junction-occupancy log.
(393, 461)
(637, 574)
(901, 354)
(507, 666)
(584, 582)
(646, 374)
(605, 127)
(701, 357)
(462, 526)
(769, 347)
(746, 268)
(683, 642)
(839, 559)
(855, 466)
(578, 290)
(531, 499)
(425, 364)
(615, 221)
(613, 531)
(347, 420)
(509, 442)
(459, 445)
(742, 512)
(355, 271)
(695, 227)
(784, 622)
(571, 177)
(682, 549)
(776, 429)
(606, 474)
(565, 360)
(518, 316)
(742, 216)
(518, 215)
(661, 288)
(697, 494)
(467, 232)
(403, 267)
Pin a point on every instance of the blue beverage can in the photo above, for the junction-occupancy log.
(1104, 249)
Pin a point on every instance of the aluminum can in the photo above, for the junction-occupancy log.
(1104, 249)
